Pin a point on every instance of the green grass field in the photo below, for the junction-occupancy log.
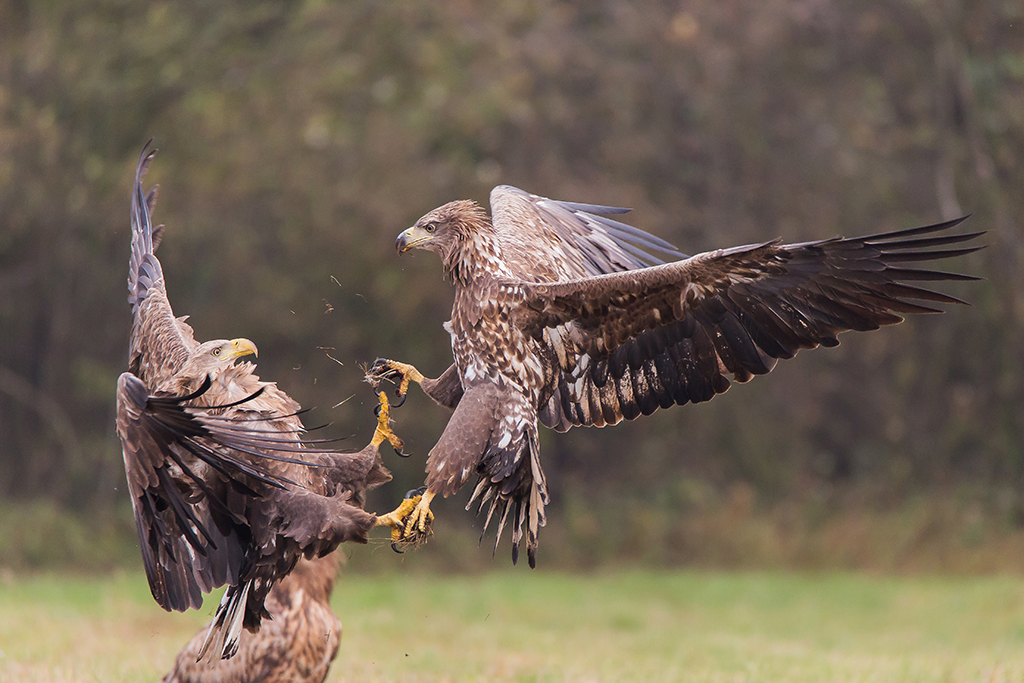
(536, 626)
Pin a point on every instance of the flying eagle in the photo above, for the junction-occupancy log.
(566, 315)
(296, 646)
(224, 488)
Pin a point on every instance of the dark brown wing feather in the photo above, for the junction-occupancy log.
(545, 240)
(189, 545)
(180, 462)
(217, 502)
(629, 343)
(160, 343)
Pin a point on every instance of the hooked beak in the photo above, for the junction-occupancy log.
(242, 347)
(410, 239)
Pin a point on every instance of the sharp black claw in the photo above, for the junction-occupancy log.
(376, 409)
(394, 546)
(418, 491)
(399, 399)
(400, 452)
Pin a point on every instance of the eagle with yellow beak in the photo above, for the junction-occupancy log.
(225, 489)
(567, 317)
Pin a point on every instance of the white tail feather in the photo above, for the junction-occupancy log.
(226, 627)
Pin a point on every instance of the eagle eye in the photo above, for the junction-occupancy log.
(430, 227)
(216, 352)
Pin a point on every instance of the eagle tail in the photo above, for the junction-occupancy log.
(226, 628)
(525, 491)
(506, 507)
(517, 533)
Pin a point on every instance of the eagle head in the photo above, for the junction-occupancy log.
(225, 351)
(213, 357)
(445, 231)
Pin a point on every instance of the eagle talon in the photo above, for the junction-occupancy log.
(396, 518)
(411, 521)
(399, 373)
(381, 369)
(383, 432)
(419, 522)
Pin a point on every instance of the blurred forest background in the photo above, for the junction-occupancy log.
(298, 138)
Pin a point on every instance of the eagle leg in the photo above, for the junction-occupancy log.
(383, 431)
(383, 368)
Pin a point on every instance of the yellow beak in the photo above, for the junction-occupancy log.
(242, 347)
(411, 238)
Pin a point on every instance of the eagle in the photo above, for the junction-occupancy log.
(296, 646)
(225, 489)
(567, 316)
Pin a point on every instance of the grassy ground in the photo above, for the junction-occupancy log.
(537, 626)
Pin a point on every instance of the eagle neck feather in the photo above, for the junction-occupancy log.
(476, 256)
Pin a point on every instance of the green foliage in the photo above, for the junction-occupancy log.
(298, 139)
(41, 535)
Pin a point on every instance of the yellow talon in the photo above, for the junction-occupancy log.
(383, 431)
(409, 373)
(410, 522)
(418, 524)
(383, 368)
(394, 519)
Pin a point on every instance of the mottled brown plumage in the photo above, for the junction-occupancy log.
(223, 486)
(568, 316)
(297, 645)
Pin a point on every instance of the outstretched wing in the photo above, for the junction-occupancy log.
(185, 551)
(629, 343)
(160, 343)
(182, 463)
(544, 240)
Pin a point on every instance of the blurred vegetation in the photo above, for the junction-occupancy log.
(297, 139)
